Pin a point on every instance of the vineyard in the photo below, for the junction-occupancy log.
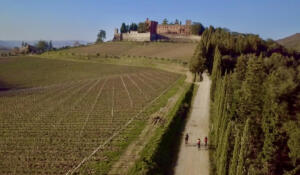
(179, 51)
(67, 128)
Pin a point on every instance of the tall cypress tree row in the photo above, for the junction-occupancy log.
(236, 151)
(223, 164)
(250, 106)
(244, 151)
(260, 97)
(223, 117)
(219, 108)
(216, 71)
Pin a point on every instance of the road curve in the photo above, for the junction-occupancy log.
(191, 160)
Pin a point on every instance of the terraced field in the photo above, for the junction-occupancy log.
(67, 127)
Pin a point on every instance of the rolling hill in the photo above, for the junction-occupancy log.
(292, 41)
(9, 44)
(182, 51)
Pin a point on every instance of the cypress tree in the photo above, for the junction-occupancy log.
(220, 106)
(241, 168)
(251, 100)
(223, 165)
(215, 111)
(251, 106)
(216, 71)
(123, 28)
(236, 150)
(222, 116)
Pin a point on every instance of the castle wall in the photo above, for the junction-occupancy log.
(175, 28)
(179, 38)
(172, 32)
(134, 36)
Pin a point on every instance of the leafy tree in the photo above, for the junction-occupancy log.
(133, 27)
(197, 63)
(165, 21)
(101, 36)
(142, 27)
(42, 46)
(197, 28)
(278, 84)
(293, 131)
(241, 67)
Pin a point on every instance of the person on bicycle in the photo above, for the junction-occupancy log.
(205, 140)
(199, 143)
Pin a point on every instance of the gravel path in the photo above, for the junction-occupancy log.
(191, 160)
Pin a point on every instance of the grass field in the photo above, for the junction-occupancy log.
(180, 51)
(57, 113)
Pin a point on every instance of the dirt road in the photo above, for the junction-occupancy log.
(191, 160)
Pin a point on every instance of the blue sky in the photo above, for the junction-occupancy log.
(81, 19)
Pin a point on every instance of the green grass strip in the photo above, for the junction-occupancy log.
(158, 155)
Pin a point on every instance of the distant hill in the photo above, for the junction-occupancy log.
(292, 41)
(4, 50)
(57, 44)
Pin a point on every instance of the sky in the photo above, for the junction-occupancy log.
(82, 19)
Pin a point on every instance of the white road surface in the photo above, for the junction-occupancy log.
(191, 160)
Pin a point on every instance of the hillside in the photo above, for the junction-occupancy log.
(60, 113)
(57, 44)
(181, 51)
(292, 41)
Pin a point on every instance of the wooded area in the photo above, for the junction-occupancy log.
(255, 103)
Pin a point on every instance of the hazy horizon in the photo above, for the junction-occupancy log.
(78, 20)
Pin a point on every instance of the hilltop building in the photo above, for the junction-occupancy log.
(176, 29)
(155, 31)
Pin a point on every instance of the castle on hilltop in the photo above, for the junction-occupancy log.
(156, 32)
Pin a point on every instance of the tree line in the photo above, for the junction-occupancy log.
(255, 103)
